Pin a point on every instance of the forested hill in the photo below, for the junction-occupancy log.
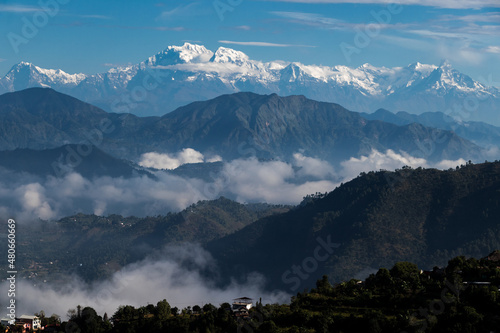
(421, 215)
(95, 246)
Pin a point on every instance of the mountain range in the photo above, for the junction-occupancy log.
(230, 126)
(418, 215)
(379, 218)
(483, 134)
(180, 75)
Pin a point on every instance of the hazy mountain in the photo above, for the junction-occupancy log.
(103, 245)
(68, 158)
(183, 74)
(478, 132)
(232, 126)
(375, 220)
(39, 118)
(275, 127)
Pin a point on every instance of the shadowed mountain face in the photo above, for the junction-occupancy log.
(88, 161)
(425, 216)
(272, 126)
(478, 132)
(105, 244)
(232, 126)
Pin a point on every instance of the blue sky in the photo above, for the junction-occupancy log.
(90, 36)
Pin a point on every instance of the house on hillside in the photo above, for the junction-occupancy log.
(6, 321)
(241, 306)
(29, 322)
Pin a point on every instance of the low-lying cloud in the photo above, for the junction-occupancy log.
(158, 277)
(173, 161)
(27, 197)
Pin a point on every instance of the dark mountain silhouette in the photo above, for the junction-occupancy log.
(104, 244)
(232, 126)
(87, 160)
(422, 215)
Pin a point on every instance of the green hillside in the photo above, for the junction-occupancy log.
(423, 215)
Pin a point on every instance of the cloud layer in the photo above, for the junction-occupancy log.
(162, 276)
(165, 275)
(27, 197)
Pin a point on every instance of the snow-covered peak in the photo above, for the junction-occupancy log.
(191, 72)
(292, 72)
(187, 53)
(445, 79)
(423, 69)
(23, 64)
(61, 77)
(31, 75)
(227, 55)
(445, 65)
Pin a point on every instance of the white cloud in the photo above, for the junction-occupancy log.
(492, 49)
(458, 4)
(182, 10)
(446, 164)
(95, 16)
(251, 180)
(171, 161)
(243, 27)
(376, 161)
(34, 201)
(215, 158)
(19, 9)
(313, 167)
(263, 44)
(29, 199)
(213, 67)
(493, 17)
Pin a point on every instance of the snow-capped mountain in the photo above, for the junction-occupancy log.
(25, 75)
(183, 74)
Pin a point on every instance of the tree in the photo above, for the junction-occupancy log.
(71, 314)
(90, 321)
(175, 311)
(54, 319)
(323, 286)
(406, 275)
(162, 310)
(196, 309)
(209, 308)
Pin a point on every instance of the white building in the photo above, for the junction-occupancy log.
(242, 303)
